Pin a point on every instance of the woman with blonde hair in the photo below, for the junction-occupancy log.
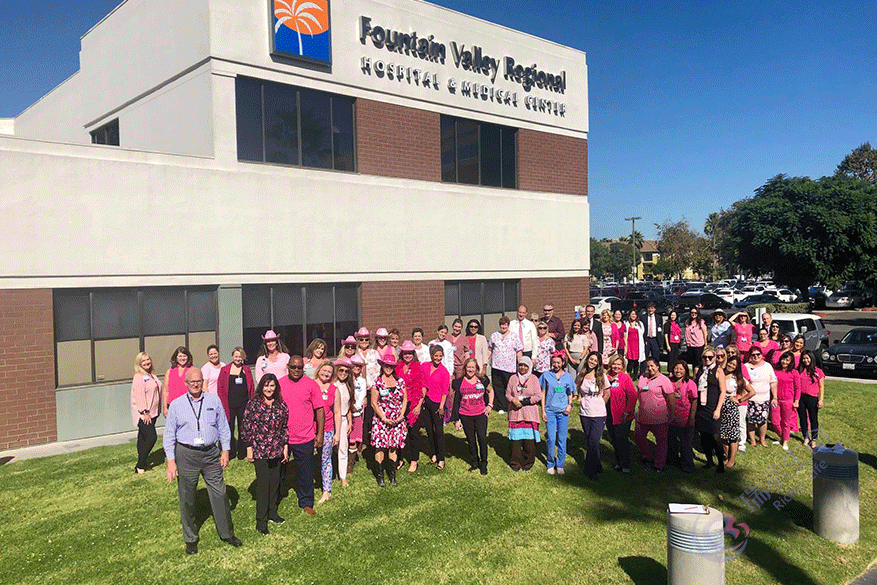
(331, 396)
(235, 388)
(316, 355)
(145, 398)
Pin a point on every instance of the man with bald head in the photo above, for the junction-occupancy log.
(194, 425)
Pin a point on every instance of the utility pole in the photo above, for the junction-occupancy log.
(632, 221)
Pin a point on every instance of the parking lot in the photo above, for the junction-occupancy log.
(839, 323)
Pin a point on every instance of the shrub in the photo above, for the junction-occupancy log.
(780, 308)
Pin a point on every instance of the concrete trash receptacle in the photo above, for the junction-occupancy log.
(836, 493)
(695, 547)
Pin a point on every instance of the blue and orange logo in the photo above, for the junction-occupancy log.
(301, 30)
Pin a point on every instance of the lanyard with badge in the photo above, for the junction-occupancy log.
(199, 440)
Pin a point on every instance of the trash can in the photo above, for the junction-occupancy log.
(836, 493)
(695, 546)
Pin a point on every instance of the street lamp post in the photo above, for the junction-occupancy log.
(632, 221)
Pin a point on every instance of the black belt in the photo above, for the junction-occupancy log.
(197, 448)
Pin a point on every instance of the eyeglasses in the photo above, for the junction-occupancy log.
(709, 357)
(295, 367)
(195, 383)
(543, 328)
(547, 310)
(786, 341)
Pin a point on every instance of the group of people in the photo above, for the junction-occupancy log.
(371, 400)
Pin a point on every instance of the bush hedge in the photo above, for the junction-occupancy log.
(779, 308)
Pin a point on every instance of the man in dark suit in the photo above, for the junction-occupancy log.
(594, 322)
(654, 333)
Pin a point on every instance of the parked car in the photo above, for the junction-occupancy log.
(601, 303)
(810, 326)
(706, 303)
(856, 352)
(639, 300)
(846, 299)
(782, 294)
(758, 299)
(729, 294)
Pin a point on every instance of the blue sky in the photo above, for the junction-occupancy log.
(693, 105)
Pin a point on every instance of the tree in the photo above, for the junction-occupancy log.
(861, 163)
(619, 260)
(724, 249)
(678, 244)
(599, 258)
(805, 231)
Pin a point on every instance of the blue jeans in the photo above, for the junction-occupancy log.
(557, 429)
(593, 429)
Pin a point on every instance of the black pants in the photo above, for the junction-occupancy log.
(413, 440)
(694, 354)
(619, 436)
(653, 348)
(238, 445)
(633, 368)
(475, 428)
(145, 441)
(679, 450)
(267, 480)
(435, 428)
(368, 416)
(709, 445)
(303, 458)
(500, 382)
(808, 407)
(673, 355)
(523, 454)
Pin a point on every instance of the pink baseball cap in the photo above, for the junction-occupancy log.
(407, 345)
(382, 332)
(363, 332)
(270, 336)
(357, 360)
(349, 340)
(389, 358)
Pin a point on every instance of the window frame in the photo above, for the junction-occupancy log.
(502, 132)
(141, 337)
(106, 131)
(507, 284)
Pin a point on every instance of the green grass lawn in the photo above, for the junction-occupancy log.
(87, 518)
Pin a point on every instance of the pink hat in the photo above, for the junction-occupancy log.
(363, 332)
(357, 360)
(389, 358)
(349, 340)
(270, 336)
(407, 345)
(343, 362)
(382, 332)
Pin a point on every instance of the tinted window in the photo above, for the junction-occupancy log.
(72, 316)
(281, 124)
(248, 101)
(478, 153)
(316, 129)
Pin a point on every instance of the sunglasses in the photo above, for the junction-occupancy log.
(709, 357)
(295, 367)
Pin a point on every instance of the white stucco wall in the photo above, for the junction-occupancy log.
(7, 126)
(99, 216)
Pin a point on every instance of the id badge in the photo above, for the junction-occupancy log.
(199, 441)
(645, 388)
(558, 388)
(238, 380)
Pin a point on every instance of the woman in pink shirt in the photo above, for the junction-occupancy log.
(272, 358)
(611, 336)
(622, 405)
(592, 386)
(524, 396)
(743, 332)
(332, 411)
(472, 405)
(680, 433)
(657, 405)
(785, 346)
(478, 346)
(695, 336)
(410, 371)
(619, 330)
(175, 377)
(812, 395)
(766, 344)
(788, 395)
(211, 369)
(635, 344)
(315, 356)
(145, 398)
(797, 349)
(672, 337)
(438, 383)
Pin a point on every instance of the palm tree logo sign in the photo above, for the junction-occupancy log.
(301, 28)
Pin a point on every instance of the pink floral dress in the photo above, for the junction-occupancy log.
(390, 400)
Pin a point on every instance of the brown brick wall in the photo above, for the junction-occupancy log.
(27, 368)
(565, 293)
(404, 305)
(552, 163)
(396, 141)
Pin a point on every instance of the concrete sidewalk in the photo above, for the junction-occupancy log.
(62, 447)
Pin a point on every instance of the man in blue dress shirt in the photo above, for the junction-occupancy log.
(195, 422)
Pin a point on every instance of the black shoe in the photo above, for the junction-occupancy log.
(379, 475)
(391, 471)
(483, 468)
(191, 548)
(262, 529)
(277, 520)
(233, 540)
(473, 467)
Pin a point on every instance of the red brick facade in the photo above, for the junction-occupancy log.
(396, 141)
(404, 304)
(552, 163)
(27, 368)
(565, 293)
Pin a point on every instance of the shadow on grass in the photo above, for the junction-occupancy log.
(456, 447)
(501, 446)
(643, 570)
(865, 458)
(774, 562)
(156, 458)
(203, 511)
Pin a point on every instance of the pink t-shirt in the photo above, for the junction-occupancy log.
(175, 383)
(685, 394)
(266, 366)
(788, 385)
(302, 398)
(472, 397)
(652, 402)
(743, 331)
(211, 376)
(811, 387)
(592, 398)
(694, 335)
(438, 382)
(328, 398)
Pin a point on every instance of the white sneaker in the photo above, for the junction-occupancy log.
(776, 442)
(785, 447)
(550, 471)
(742, 448)
(500, 412)
(560, 471)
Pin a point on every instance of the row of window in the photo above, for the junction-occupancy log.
(99, 331)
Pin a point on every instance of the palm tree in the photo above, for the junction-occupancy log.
(300, 17)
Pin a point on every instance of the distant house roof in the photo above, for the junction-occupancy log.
(649, 246)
